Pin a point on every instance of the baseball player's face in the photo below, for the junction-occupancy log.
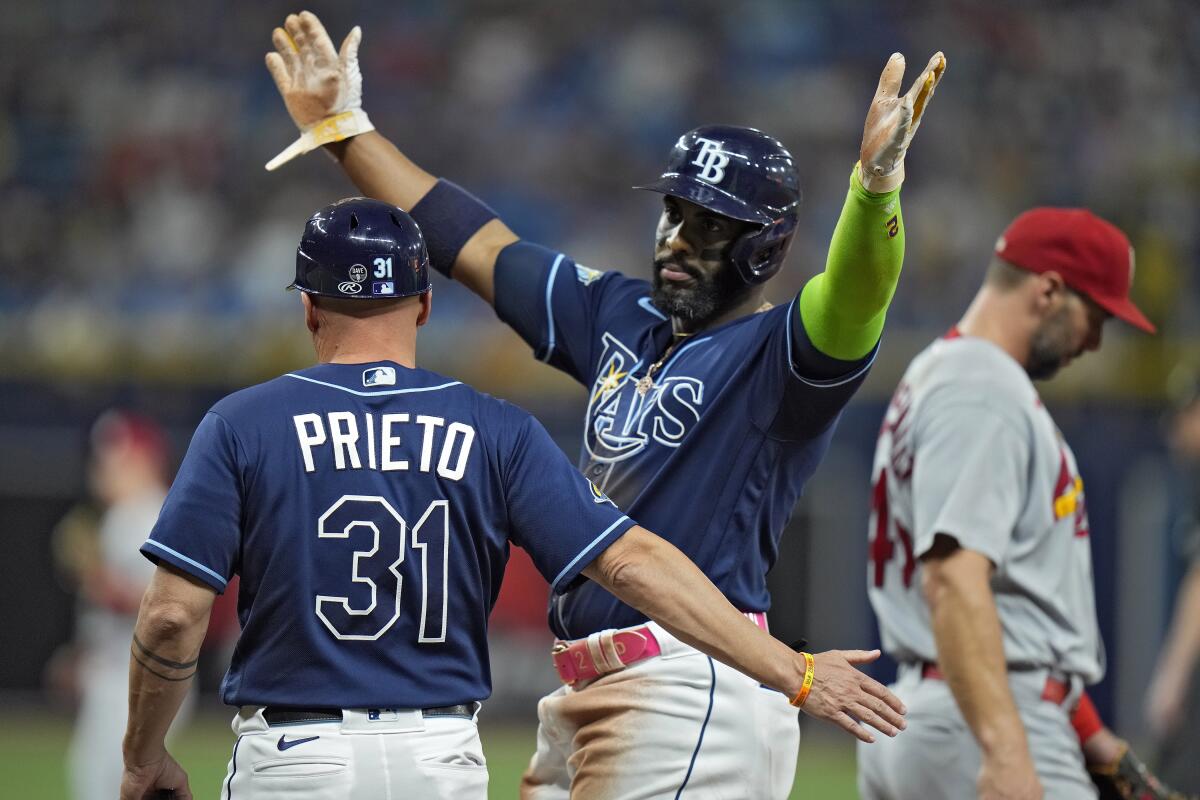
(692, 277)
(1068, 332)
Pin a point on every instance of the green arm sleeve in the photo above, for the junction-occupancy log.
(842, 309)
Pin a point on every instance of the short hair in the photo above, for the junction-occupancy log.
(1004, 276)
(352, 307)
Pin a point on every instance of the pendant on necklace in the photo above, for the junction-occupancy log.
(644, 385)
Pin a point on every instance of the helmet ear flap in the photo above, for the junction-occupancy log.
(759, 255)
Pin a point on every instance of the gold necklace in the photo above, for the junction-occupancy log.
(646, 382)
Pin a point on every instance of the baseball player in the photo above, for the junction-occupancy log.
(1172, 709)
(708, 409)
(980, 564)
(127, 476)
(368, 506)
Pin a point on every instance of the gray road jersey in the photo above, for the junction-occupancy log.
(967, 449)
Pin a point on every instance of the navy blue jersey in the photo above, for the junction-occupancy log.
(714, 456)
(368, 510)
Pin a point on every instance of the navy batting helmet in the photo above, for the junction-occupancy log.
(364, 249)
(744, 174)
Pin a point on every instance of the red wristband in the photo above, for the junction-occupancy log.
(1085, 719)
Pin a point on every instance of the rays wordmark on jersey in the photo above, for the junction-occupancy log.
(621, 422)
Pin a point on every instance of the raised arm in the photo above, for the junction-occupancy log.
(322, 89)
(842, 309)
(653, 576)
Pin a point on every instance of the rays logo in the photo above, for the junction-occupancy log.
(711, 159)
(599, 497)
(587, 275)
(621, 422)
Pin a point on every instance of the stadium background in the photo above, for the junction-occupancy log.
(143, 251)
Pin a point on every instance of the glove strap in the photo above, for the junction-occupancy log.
(877, 183)
(331, 129)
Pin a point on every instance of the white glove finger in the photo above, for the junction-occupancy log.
(286, 49)
(889, 79)
(300, 37)
(275, 66)
(349, 51)
(923, 88)
(318, 39)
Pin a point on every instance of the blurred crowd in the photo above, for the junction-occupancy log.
(144, 237)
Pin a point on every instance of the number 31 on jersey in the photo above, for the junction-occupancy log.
(375, 576)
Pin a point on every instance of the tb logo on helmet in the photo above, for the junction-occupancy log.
(711, 160)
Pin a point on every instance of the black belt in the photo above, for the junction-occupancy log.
(279, 715)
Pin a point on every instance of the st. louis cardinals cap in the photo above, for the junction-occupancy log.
(1093, 257)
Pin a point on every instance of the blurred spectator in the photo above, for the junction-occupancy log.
(1173, 697)
(98, 553)
(136, 163)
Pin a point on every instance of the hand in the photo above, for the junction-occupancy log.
(1126, 777)
(892, 121)
(321, 87)
(1008, 779)
(162, 778)
(841, 694)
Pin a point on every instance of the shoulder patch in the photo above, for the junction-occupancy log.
(587, 275)
(599, 497)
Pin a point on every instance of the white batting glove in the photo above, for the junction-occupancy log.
(321, 87)
(892, 121)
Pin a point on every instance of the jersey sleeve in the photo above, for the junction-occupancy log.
(554, 304)
(199, 528)
(558, 516)
(970, 475)
(810, 387)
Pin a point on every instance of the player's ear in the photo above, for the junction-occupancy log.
(426, 307)
(310, 312)
(1051, 290)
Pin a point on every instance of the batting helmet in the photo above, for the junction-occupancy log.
(744, 174)
(361, 249)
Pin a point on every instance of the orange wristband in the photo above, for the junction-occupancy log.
(810, 672)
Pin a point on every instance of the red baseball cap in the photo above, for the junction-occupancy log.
(1093, 257)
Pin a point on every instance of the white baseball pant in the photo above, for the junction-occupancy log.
(678, 725)
(401, 754)
(937, 758)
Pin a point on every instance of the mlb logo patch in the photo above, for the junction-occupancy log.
(379, 376)
(383, 287)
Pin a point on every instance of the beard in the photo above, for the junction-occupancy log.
(706, 297)
(1050, 347)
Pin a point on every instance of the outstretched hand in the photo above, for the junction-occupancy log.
(843, 695)
(892, 121)
(321, 87)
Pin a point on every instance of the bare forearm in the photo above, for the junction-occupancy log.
(660, 581)
(1183, 640)
(380, 170)
(162, 664)
(971, 656)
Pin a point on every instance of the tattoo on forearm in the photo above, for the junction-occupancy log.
(165, 662)
(139, 648)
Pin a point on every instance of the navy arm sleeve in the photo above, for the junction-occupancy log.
(555, 513)
(199, 528)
